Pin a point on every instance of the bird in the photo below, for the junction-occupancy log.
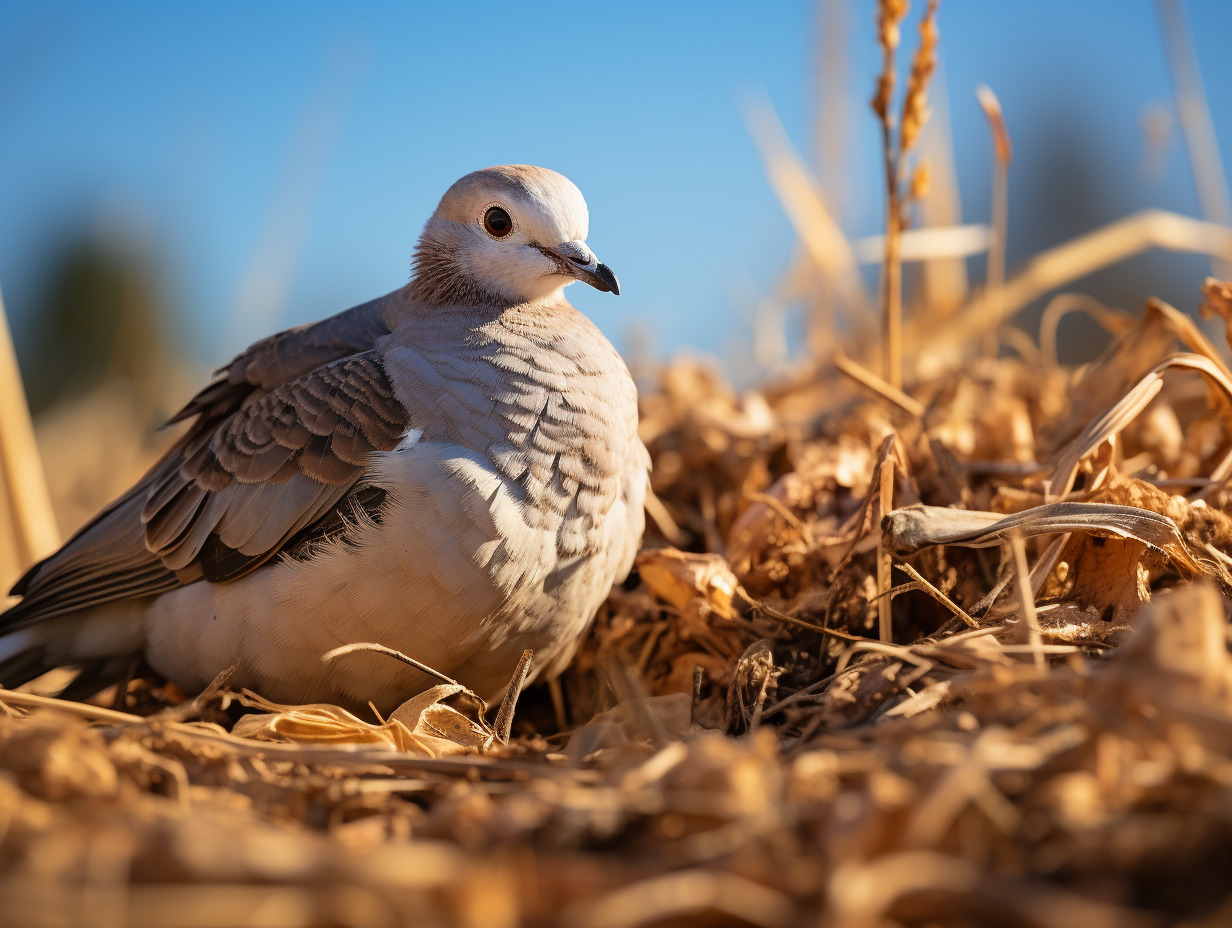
(452, 470)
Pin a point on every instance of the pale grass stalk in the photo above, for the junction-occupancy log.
(559, 711)
(684, 896)
(867, 378)
(1029, 634)
(892, 294)
(388, 652)
(1196, 124)
(1020, 342)
(1112, 321)
(936, 594)
(10, 556)
(830, 128)
(1109, 424)
(933, 244)
(1070, 261)
(885, 560)
(781, 508)
(945, 274)
(662, 518)
(354, 757)
(805, 206)
(261, 291)
(770, 339)
(32, 522)
(994, 283)
(889, 14)
(1189, 333)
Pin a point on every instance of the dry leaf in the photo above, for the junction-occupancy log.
(916, 527)
(424, 725)
(445, 719)
(682, 579)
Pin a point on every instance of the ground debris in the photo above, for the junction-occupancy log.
(736, 741)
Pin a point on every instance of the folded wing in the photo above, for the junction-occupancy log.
(279, 440)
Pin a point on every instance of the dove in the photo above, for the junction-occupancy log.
(452, 470)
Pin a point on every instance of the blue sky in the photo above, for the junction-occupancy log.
(312, 140)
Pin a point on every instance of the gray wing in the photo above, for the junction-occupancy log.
(263, 460)
(270, 469)
(286, 355)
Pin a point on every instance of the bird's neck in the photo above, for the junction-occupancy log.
(440, 281)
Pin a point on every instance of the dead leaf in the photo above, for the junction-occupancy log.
(681, 579)
(425, 724)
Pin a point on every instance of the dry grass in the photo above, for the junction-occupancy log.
(818, 708)
(953, 652)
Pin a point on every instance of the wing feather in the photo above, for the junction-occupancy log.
(282, 461)
(280, 438)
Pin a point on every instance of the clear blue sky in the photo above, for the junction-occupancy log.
(315, 139)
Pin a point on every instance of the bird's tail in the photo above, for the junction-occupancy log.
(103, 642)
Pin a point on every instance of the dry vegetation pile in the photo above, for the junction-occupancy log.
(950, 656)
(959, 658)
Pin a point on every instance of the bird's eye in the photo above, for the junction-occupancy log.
(497, 222)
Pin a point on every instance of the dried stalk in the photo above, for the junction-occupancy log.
(22, 480)
(885, 558)
(915, 113)
(805, 206)
(504, 716)
(889, 14)
(1003, 153)
(1070, 261)
(957, 611)
(1196, 124)
(388, 652)
(867, 378)
(945, 282)
(1115, 418)
(936, 243)
(1030, 635)
(1112, 321)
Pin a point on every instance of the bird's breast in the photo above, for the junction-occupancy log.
(553, 410)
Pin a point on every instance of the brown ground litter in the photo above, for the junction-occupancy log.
(739, 745)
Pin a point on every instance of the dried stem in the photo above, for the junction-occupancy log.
(1003, 154)
(388, 652)
(867, 378)
(885, 560)
(806, 207)
(504, 716)
(889, 15)
(915, 113)
(22, 481)
(1195, 118)
(1030, 635)
(1069, 261)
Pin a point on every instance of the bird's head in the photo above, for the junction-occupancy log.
(514, 233)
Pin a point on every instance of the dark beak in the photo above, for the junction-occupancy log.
(602, 278)
(576, 260)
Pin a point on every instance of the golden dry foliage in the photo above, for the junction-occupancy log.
(948, 652)
(1045, 738)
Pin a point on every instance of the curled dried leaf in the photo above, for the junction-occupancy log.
(1114, 419)
(916, 527)
(681, 579)
(446, 719)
